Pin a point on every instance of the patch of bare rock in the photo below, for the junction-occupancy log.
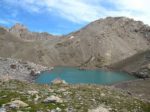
(100, 109)
(20, 70)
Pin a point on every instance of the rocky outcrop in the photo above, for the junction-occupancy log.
(22, 32)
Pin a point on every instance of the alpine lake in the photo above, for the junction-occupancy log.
(73, 75)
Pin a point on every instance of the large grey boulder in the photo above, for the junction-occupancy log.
(53, 99)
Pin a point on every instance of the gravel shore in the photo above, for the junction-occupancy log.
(20, 70)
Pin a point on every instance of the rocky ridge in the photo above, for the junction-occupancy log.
(22, 32)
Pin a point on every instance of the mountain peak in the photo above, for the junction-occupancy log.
(18, 27)
(22, 32)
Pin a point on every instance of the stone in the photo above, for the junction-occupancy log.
(99, 109)
(70, 109)
(58, 109)
(17, 104)
(32, 73)
(13, 66)
(2, 110)
(61, 90)
(53, 99)
(102, 94)
(58, 81)
(33, 92)
(53, 110)
(13, 105)
(148, 66)
(39, 111)
(36, 98)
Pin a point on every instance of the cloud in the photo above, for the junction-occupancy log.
(83, 11)
(137, 9)
(74, 10)
(32, 6)
(8, 22)
(5, 22)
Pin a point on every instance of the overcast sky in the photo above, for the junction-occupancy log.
(65, 16)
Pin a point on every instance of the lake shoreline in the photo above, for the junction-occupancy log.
(30, 71)
(23, 74)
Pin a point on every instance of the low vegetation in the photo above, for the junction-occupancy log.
(74, 98)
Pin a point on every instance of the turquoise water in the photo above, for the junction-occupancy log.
(76, 76)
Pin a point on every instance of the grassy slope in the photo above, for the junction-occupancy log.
(79, 97)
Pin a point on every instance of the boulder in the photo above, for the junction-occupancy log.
(59, 81)
(99, 109)
(32, 73)
(53, 99)
(58, 109)
(33, 92)
(17, 104)
(148, 66)
(2, 110)
(13, 66)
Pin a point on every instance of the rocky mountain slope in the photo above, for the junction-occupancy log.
(106, 41)
(138, 64)
(101, 43)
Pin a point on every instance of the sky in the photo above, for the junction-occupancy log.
(60, 17)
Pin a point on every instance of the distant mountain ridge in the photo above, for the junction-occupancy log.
(22, 32)
(99, 44)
